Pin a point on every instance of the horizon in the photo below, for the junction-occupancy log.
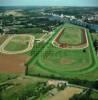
(69, 3)
(47, 6)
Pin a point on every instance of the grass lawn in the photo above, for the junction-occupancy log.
(18, 43)
(62, 61)
(71, 35)
(21, 38)
(16, 46)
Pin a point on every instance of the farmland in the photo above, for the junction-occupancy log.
(12, 63)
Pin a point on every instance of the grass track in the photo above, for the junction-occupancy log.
(40, 67)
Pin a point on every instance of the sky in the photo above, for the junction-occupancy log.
(49, 3)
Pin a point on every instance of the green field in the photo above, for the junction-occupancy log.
(71, 35)
(17, 43)
(61, 61)
(16, 46)
(65, 63)
(21, 38)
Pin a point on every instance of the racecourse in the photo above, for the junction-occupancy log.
(64, 61)
(8, 40)
(78, 45)
(74, 59)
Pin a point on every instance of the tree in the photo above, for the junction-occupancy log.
(61, 86)
(1, 31)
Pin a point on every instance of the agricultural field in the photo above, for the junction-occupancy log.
(13, 63)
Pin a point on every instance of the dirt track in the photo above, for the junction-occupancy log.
(12, 63)
(30, 45)
(83, 45)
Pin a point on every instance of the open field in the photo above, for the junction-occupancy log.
(12, 63)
